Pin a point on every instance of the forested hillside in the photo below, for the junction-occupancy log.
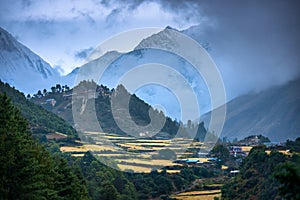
(138, 109)
(40, 120)
(266, 176)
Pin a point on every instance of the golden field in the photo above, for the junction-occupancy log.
(198, 195)
(127, 152)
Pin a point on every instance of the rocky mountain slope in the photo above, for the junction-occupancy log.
(274, 112)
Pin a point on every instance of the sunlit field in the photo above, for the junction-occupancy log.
(134, 154)
(198, 195)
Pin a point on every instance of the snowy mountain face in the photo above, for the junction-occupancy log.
(26, 71)
(22, 68)
(165, 38)
(154, 94)
(89, 70)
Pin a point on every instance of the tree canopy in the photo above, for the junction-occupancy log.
(27, 170)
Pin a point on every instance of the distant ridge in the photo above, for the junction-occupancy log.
(274, 113)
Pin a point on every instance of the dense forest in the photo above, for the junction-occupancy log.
(27, 170)
(266, 176)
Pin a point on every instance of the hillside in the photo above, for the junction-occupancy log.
(274, 112)
(265, 175)
(40, 120)
(138, 109)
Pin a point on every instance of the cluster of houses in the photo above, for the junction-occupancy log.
(206, 161)
(210, 162)
(197, 162)
(52, 102)
(82, 92)
(237, 151)
(274, 144)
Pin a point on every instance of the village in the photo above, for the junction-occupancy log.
(146, 155)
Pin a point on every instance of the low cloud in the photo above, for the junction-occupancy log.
(59, 69)
(84, 53)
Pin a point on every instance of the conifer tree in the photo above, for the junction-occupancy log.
(27, 170)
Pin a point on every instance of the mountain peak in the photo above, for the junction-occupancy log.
(170, 28)
(165, 38)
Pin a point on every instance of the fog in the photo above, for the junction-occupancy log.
(255, 44)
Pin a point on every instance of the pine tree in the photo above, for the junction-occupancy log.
(27, 170)
(25, 166)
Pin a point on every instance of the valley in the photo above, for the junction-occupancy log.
(96, 104)
(171, 165)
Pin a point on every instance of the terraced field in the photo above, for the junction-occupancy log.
(198, 195)
(134, 154)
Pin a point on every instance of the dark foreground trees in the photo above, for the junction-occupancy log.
(27, 171)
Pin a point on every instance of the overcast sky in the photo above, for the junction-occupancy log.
(63, 32)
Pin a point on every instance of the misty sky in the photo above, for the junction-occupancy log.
(64, 32)
(256, 39)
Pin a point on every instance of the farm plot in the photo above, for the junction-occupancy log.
(134, 154)
(198, 195)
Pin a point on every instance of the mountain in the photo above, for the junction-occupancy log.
(247, 63)
(177, 73)
(22, 68)
(89, 70)
(274, 113)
